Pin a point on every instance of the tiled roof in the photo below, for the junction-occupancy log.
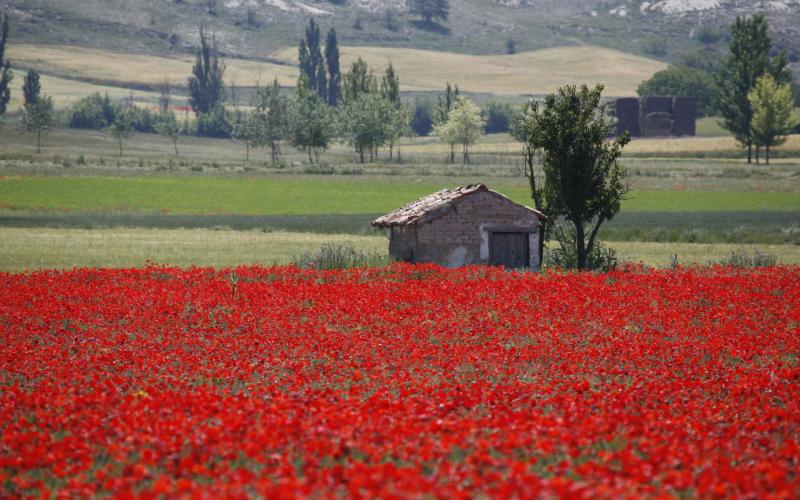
(433, 206)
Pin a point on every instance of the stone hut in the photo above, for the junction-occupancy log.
(463, 226)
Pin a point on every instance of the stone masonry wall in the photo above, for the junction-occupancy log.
(461, 237)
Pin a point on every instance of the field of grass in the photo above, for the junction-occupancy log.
(65, 91)
(25, 249)
(534, 72)
(326, 195)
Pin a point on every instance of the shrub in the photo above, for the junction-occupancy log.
(339, 256)
(422, 118)
(601, 258)
(93, 112)
(497, 116)
(214, 124)
(742, 258)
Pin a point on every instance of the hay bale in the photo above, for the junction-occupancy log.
(684, 114)
(627, 114)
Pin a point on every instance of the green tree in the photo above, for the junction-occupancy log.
(38, 118)
(422, 117)
(31, 87)
(273, 107)
(310, 121)
(334, 71)
(249, 130)
(206, 85)
(358, 81)
(312, 65)
(397, 124)
(773, 113)
(464, 126)
(676, 80)
(122, 127)
(583, 181)
(747, 60)
(364, 124)
(430, 9)
(5, 67)
(168, 126)
(445, 104)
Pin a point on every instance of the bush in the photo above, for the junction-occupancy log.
(497, 116)
(339, 256)
(601, 258)
(741, 258)
(422, 118)
(93, 112)
(144, 120)
(214, 124)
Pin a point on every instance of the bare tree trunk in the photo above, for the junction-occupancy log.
(749, 152)
(580, 243)
(758, 154)
(175, 143)
(38, 141)
(767, 154)
(120, 147)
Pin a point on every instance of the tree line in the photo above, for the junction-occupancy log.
(750, 87)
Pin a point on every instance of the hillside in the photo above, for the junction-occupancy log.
(68, 68)
(255, 28)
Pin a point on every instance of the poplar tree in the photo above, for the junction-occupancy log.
(274, 110)
(334, 71)
(31, 87)
(747, 60)
(38, 118)
(312, 66)
(5, 67)
(206, 85)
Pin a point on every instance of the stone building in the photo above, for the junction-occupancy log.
(463, 226)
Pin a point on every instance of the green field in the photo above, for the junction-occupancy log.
(329, 195)
(43, 248)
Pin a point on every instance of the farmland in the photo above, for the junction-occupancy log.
(402, 381)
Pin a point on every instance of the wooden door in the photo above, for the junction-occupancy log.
(509, 249)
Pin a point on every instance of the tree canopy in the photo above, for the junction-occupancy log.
(5, 66)
(677, 80)
(773, 112)
(206, 85)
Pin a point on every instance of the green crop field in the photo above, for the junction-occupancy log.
(329, 195)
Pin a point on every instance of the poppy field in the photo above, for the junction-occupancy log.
(400, 381)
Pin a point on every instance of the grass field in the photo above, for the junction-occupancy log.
(42, 248)
(533, 72)
(329, 195)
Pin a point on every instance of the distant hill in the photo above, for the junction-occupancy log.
(255, 28)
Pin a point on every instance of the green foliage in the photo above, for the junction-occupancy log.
(340, 256)
(676, 80)
(773, 112)
(206, 85)
(464, 126)
(248, 129)
(430, 9)
(332, 65)
(216, 123)
(584, 182)
(422, 118)
(31, 87)
(93, 112)
(445, 103)
(708, 35)
(273, 110)
(122, 128)
(312, 65)
(38, 118)
(168, 126)
(748, 59)
(744, 259)
(5, 66)
(497, 116)
(511, 46)
(311, 124)
(358, 81)
(365, 124)
(599, 258)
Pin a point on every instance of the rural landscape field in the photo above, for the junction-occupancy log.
(195, 300)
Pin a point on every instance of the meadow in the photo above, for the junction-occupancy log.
(534, 72)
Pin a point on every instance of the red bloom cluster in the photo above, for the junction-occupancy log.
(406, 381)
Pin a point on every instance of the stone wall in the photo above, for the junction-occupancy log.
(461, 237)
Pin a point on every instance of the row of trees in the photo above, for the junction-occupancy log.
(725, 86)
